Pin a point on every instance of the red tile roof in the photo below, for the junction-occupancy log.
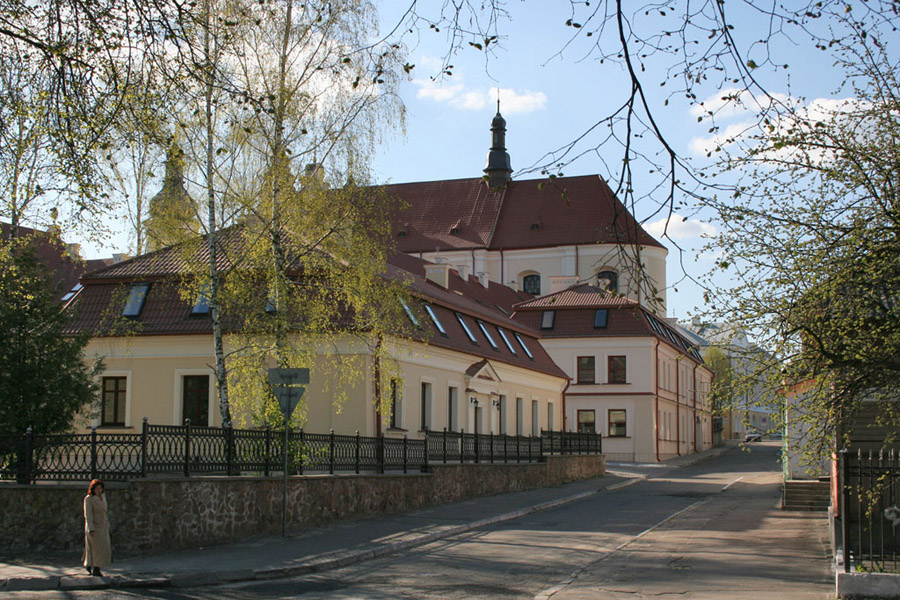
(576, 307)
(466, 214)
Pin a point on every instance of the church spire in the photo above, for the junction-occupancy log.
(498, 169)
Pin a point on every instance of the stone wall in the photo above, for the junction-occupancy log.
(159, 514)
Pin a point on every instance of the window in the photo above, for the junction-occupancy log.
(201, 305)
(586, 369)
(484, 330)
(535, 418)
(137, 294)
(531, 284)
(616, 423)
(112, 410)
(520, 416)
(502, 410)
(551, 421)
(506, 340)
(547, 319)
(465, 327)
(524, 347)
(608, 280)
(395, 421)
(601, 317)
(587, 421)
(615, 369)
(435, 320)
(195, 399)
(71, 293)
(409, 312)
(425, 417)
(452, 408)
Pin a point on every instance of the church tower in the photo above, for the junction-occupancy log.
(172, 211)
(498, 169)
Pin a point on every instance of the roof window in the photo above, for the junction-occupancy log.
(409, 312)
(601, 317)
(487, 334)
(547, 319)
(137, 294)
(524, 347)
(506, 340)
(201, 305)
(435, 320)
(465, 327)
(71, 293)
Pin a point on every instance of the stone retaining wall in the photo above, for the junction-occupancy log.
(160, 514)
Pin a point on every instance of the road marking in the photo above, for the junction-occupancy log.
(550, 592)
(732, 483)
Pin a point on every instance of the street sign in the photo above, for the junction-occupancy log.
(288, 376)
(288, 398)
(287, 387)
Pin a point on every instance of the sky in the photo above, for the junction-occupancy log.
(550, 93)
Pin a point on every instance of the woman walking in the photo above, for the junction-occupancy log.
(97, 550)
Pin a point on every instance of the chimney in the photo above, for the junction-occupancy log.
(439, 274)
(483, 279)
(74, 250)
(119, 257)
(498, 169)
(560, 282)
(463, 271)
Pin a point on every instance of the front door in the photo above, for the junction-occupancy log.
(195, 399)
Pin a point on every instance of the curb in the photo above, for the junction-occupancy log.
(210, 578)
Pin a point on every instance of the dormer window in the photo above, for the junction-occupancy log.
(401, 234)
(454, 229)
(535, 226)
(201, 305)
(601, 317)
(137, 295)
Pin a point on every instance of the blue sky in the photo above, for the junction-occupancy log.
(550, 93)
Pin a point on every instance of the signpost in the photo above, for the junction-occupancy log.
(287, 385)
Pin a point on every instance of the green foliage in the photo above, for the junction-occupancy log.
(44, 382)
(811, 246)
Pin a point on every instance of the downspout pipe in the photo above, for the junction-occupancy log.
(678, 405)
(564, 413)
(656, 402)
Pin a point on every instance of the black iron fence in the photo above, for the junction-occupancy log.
(192, 450)
(870, 510)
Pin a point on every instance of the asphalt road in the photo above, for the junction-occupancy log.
(708, 531)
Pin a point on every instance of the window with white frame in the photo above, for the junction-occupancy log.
(535, 418)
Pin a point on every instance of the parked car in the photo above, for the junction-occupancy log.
(752, 436)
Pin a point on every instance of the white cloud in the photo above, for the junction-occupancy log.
(701, 146)
(679, 228)
(733, 101)
(457, 94)
(512, 102)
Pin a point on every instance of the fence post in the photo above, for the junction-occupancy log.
(27, 467)
(540, 448)
(476, 447)
(379, 455)
(445, 445)
(331, 452)
(491, 441)
(229, 450)
(268, 449)
(357, 452)
(518, 451)
(300, 454)
(144, 467)
(531, 443)
(404, 452)
(425, 465)
(93, 452)
(845, 528)
(462, 445)
(187, 447)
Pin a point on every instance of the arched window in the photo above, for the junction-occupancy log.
(608, 280)
(531, 284)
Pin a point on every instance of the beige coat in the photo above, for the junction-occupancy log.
(97, 549)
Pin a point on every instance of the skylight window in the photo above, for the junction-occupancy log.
(547, 319)
(201, 305)
(409, 313)
(137, 294)
(601, 317)
(487, 334)
(435, 320)
(465, 327)
(71, 293)
(506, 340)
(524, 347)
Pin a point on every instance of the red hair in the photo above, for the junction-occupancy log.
(94, 483)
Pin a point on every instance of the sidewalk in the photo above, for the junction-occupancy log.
(314, 550)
